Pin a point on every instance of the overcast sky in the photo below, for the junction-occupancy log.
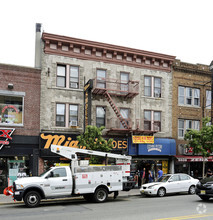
(182, 28)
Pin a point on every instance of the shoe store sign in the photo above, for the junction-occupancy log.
(5, 136)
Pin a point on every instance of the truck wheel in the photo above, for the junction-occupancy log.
(100, 195)
(88, 197)
(32, 199)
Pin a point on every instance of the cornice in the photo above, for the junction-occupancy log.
(191, 68)
(97, 51)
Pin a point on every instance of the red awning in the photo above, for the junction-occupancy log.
(183, 158)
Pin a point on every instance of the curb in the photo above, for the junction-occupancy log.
(62, 199)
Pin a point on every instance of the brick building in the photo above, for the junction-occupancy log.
(131, 94)
(19, 122)
(191, 102)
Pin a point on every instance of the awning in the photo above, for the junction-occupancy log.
(183, 158)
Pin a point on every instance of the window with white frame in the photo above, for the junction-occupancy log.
(74, 77)
(100, 116)
(188, 96)
(66, 115)
(208, 98)
(152, 120)
(73, 116)
(184, 125)
(101, 78)
(67, 79)
(11, 110)
(152, 86)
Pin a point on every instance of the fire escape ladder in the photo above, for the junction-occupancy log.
(117, 112)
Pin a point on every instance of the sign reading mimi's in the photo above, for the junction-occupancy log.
(88, 103)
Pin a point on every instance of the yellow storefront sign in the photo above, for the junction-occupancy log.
(143, 139)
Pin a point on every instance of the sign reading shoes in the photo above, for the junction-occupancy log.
(5, 136)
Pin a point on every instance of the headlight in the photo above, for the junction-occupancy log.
(19, 186)
(151, 187)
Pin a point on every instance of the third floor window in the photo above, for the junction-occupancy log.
(188, 96)
(152, 86)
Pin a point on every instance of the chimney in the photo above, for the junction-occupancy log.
(38, 46)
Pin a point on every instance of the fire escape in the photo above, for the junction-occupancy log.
(114, 88)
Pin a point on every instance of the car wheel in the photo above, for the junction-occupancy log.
(192, 190)
(100, 195)
(32, 199)
(205, 198)
(161, 192)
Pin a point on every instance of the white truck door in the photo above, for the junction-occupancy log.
(59, 183)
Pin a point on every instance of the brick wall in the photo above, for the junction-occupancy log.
(24, 79)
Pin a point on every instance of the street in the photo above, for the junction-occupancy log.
(131, 207)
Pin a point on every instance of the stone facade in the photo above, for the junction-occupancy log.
(130, 60)
(195, 76)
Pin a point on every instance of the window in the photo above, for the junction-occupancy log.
(188, 96)
(125, 114)
(60, 115)
(73, 115)
(152, 87)
(61, 76)
(208, 98)
(184, 125)
(184, 177)
(175, 178)
(11, 110)
(74, 77)
(59, 172)
(101, 79)
(152, 120)
(124, 81)
(100, 116)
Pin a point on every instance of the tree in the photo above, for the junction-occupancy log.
(201, 141)
(92, 139)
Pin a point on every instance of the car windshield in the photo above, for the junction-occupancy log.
(164, 178)
(207, 179)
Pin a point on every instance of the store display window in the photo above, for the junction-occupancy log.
(11, 110)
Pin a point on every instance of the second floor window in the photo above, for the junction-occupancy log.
(188, 96)
(184, 125)
(100, 116)
(152, 120)
(125, 114)
(152, 86)
(73, 115)
(60, 115)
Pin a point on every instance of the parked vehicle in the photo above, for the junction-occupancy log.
(204, 188)
(170, 183)
(92, 182)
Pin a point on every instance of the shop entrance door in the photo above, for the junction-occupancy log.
(3, 174)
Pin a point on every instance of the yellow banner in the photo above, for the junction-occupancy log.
(143, 139)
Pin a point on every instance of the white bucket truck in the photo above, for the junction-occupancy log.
(94, 183)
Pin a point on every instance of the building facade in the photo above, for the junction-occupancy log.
(191, 103)
(19, 122)
(130, 94)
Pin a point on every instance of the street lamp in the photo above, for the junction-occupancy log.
(211, 69)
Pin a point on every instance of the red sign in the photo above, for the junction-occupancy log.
(5, 134)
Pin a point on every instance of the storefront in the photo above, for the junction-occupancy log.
(192, 165)
(18, 156)
(159, 154)
(70, 140)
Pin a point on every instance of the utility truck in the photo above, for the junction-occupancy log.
(94, 183)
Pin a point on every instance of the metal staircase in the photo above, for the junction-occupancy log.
(117, 112)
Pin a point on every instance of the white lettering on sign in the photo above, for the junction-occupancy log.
(156, 147)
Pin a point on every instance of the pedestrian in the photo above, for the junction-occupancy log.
(136, 179)
(160, 173)
(209, 173)
(143, 178)
(151, 177)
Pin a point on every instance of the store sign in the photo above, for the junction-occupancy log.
(154, 147)
(71, 141)
(143, 139)
(5, 136)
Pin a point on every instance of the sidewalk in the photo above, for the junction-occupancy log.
(4, 200)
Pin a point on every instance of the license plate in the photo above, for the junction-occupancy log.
(202, 192)
(142, 191)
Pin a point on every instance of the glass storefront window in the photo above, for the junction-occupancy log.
(11, 110)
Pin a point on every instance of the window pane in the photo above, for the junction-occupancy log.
(125, 113)
(74, 77)
(188, 124)
(147, 88)
(197, 125)
(189, 96)
(101, 79)
(196, 97)
(180, 128)
(74, 71)
(124, 81)
(60, 115)
(100, 112)
(61, 81)
(157, 87)
(60, 109)
(208, 99)
(60, 172)
(73, 117)
(147, 115)
(181, 95)
(11, 110)
(61, 70)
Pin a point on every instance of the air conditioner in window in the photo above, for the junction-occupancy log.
(73, 123)
(74, 85)
(157, 95)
